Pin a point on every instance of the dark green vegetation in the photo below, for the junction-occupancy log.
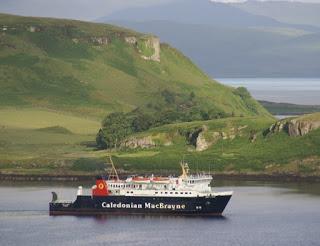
(252, 39)
(289, 109)
(60, 78)
(174, 108)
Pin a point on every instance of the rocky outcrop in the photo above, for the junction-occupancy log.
(148, 46)
(300, 128)
(202, 138)
(277, 127)
(153, 43)
(134, 143)
(32, 29)
(99, 40)
(131, 40)
(201, 143)
(295, 127)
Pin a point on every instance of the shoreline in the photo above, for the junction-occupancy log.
(216, 176)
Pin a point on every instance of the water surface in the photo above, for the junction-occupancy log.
(258, 214)
(290, 90)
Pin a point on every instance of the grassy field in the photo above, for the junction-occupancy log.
(38, 140)
(32, 118)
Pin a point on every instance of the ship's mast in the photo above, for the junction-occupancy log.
(113, 174)
(185, 169)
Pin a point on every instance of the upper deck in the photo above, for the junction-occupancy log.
(183, 186)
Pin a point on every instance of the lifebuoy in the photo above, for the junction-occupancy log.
(100, 186)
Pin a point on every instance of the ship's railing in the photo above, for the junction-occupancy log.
(199, 176)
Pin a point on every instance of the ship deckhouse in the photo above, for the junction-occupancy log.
(183, 186)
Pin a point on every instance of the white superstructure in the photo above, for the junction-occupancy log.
(183, 186)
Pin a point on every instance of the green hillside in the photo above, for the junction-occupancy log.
(237, 145)
(93, 69)
(60, 78)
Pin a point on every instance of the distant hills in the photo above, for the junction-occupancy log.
(289, 108)
(292, 12)
(235, 40)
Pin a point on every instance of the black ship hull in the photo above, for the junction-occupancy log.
(104, 205)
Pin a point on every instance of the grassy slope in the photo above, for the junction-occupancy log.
(40, 141)
(49, 82)
(33, 118)
(52, 150)
(61, 66)
(276, 153)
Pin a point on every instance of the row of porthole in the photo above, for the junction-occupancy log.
(125, 186)
(172, 193)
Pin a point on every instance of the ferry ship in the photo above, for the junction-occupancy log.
(183, 195)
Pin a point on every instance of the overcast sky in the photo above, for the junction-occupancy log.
(76, 9)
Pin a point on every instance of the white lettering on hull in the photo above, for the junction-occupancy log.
(146, 205)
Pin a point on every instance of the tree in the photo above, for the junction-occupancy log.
(142, 122)
(116, 126)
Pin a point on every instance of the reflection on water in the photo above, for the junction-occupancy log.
(259, 213)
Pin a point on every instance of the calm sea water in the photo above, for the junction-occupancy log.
(258, 214)
(290, 90)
